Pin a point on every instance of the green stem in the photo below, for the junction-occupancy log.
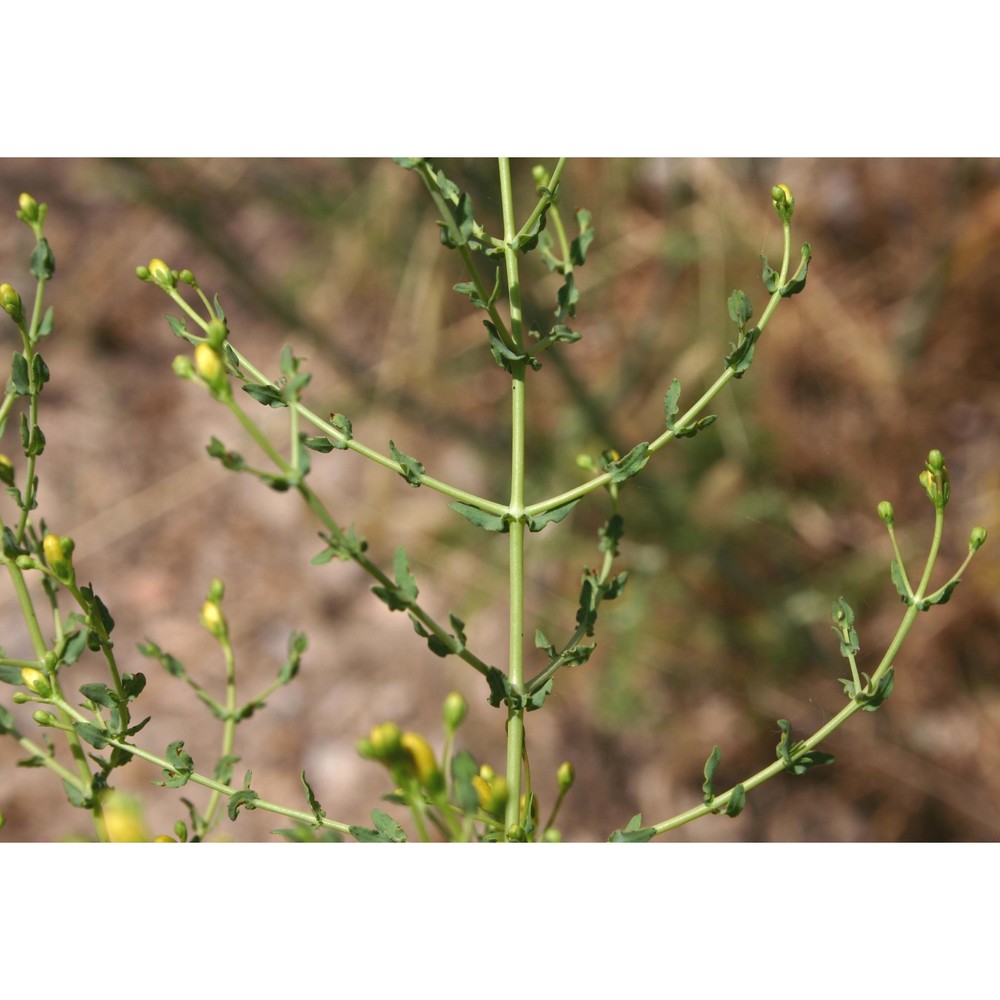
(515, 672)
(228, 729)
(682, 422)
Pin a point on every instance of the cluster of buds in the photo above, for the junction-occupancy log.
(408, 756)
(935, 480)
(783, 202)
(158, 272)
(29, 211)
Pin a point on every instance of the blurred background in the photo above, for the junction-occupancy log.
(738, 541)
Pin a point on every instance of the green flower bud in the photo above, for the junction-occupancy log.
(552, 837)
(27, 208)
(6, 470)
(44, 718)
(886, 512)
(515, 832)
(783, 201)
(565, 776)
(421, 757)
(935, 461)
(213, 619)
(35, 680)
(142, 273)
(977, 538)
(184, 367)
(20, 698)
(187, 277)
(455, 709)
(216, 334)
(10, 302)
(216, 589)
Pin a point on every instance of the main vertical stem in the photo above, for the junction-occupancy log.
(515, 672)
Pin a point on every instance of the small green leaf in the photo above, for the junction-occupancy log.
(580, 244)
(740, 309)
(567, 298)
(499, 686)
(541, 642)
(899, 581)
(769, 276)
(843, 625)
(266, 395)
(537, 698)
(94, 736)
(100, 694)
(181, 763)
(43, 262)
(19, 375)
(45, 328)
(388, 827)
(711, 766)
(481, 519)
(798, 280)
(634, 832)
(230, 459)
(170, 663)
(737, 800)
(298, 642)
(941, 596)
(631, 464)
(409, 468)
(556, 514)
(314, 805)
(322, 444)
(872, 702)
(344, 427)
(742, 355)
(245, 798)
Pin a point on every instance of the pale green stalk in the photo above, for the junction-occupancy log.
(515, 672)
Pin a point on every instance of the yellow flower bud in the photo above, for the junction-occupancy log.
(565, 776)
(386, 740)
(213, 619)
(35, 680)
(159, 271)
(28, 207)
(123, 819)
(10, 302)
(423, 761)
(6, 470)
(57, 552)
(492, 793)
(210, 366)
(164, 839)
